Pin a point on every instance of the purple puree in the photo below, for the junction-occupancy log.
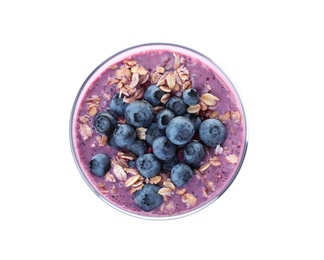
(205, 186)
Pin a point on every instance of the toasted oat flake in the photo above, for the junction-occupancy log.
(155, 77)
(176, 63)
(170, 207)
(193, 109)
(213, 113)
(134, 189)
(165, 89)
(92, 111)
(102, 140)
(186, 85)
(214, 161)
(131, 171)
(85, 131)
(218, 149)
(209, 99)
(165, 191)
(141, 133)
(84, 119)
(155, 180)
(205, 192)
(135, 80)
(232, 158)
(160, 69)
(168, 184)
(236, 116)
(189, 199)
(130, 63)
(181, 191)
(165, 98)
(131, 180)
(119, 172)
(171, 80)
(204, 167)
(109, 177)
(162, 80)
(224, 117)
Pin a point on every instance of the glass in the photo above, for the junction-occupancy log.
(125, 54)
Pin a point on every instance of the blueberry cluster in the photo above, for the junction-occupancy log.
(171, 130)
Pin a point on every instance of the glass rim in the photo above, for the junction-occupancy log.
(229, 84)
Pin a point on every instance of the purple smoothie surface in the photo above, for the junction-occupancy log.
(221, 163)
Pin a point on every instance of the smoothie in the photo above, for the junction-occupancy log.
(158, 131)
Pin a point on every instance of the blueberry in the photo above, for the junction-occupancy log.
(138, 148)
(164, 117)
(163, 148)
(212, 132)
(105, 123)
(195, 119)
(190, 97)
(181, 174)
(148, 197)
(124, 135)
(118, 105)
(139, 114)
(180, 130)
(168, 165)
(153, 95)
(99, 164)
(177, 105)
(152, 133)
(148, 165)
(112, 143)
(193, 154)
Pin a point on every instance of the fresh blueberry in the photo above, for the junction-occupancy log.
(190, 97)
(99, 164)
(148, 197)
(152, 133)
(164, 117)
(153, 95)
(138, 148)
(163, 148)
(177, 105)
(105, 123)
(118, 105)
(139, 114)
(124, 135)
(168, 165)
(181, 174)
(148, 165)
(112, 143)
(212, 132)
(195, 119)
(180, 130)
(193, 154)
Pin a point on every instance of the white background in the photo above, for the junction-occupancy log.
(272, 50)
